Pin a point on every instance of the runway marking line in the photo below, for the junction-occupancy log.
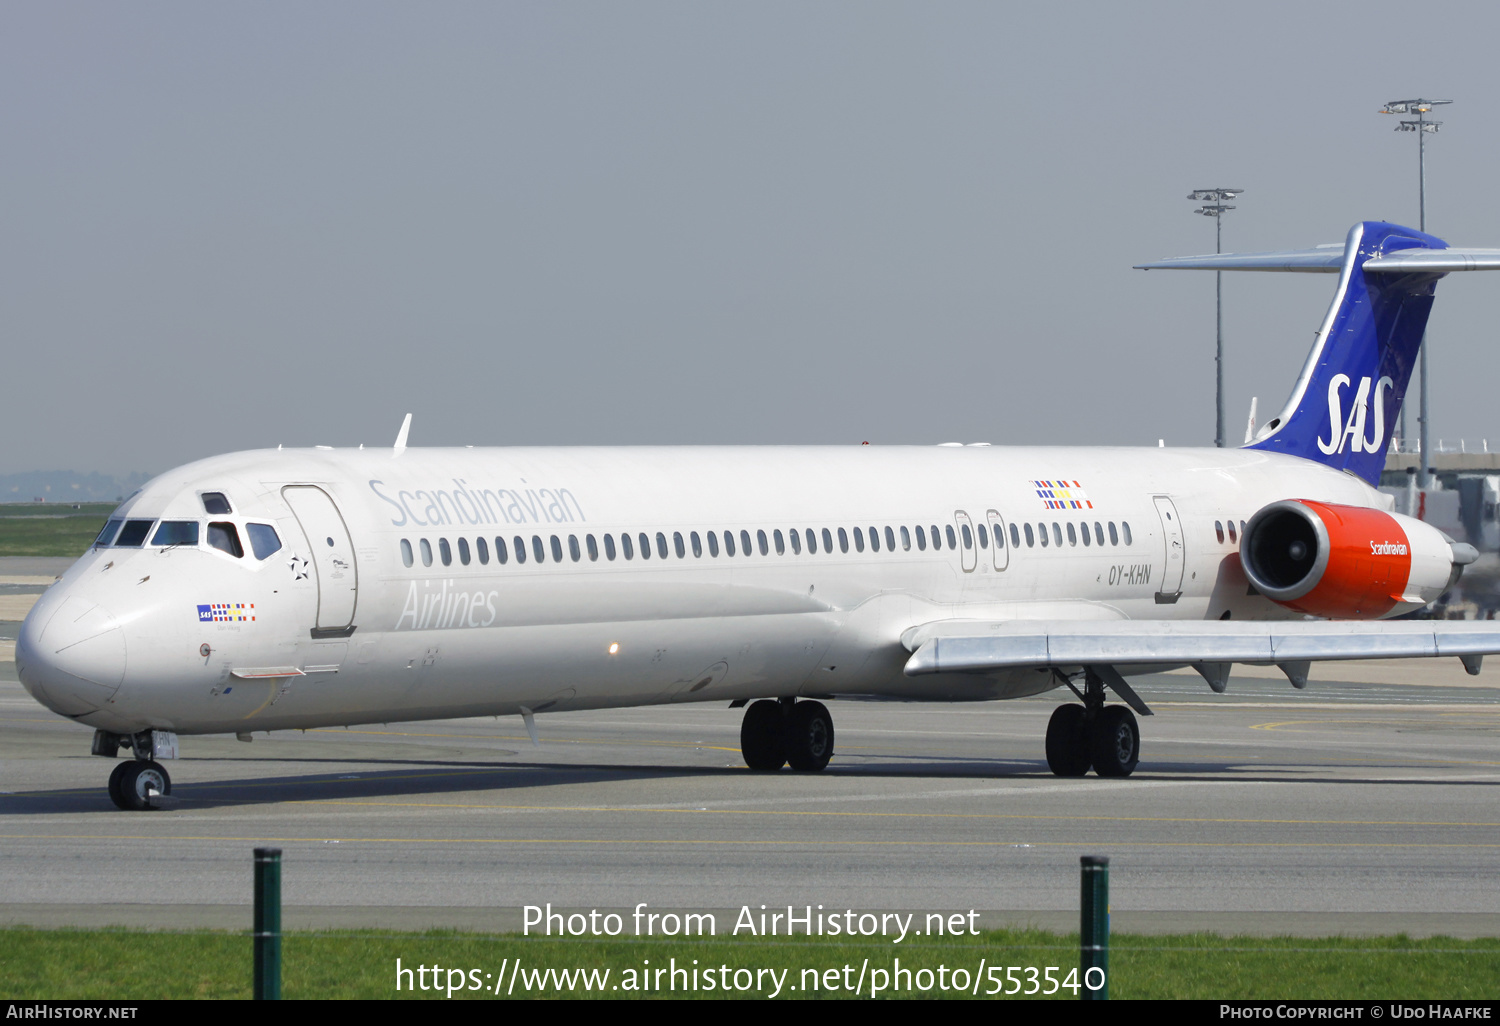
(801, 842)
(526, 738)
(894, 815)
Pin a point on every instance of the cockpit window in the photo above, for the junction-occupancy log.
(108, 534)
(226, 538)
(263, 540)
(134, 533)
(215, 504)
(176, 532)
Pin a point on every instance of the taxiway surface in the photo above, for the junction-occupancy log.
(1369, 803)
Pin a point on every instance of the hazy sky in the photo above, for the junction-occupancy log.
(236, 225)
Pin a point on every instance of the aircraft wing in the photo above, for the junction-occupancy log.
(975, 646)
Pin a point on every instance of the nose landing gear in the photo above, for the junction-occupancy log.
(140, 783)
(775, 733)
(136, 786)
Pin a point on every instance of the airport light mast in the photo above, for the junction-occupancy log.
(1423, 127)
(1214, 207)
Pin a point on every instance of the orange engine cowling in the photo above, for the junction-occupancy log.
(1347, 562)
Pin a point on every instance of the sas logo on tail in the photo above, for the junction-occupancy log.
(1351, 431)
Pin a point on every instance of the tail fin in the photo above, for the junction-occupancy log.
(1344, 405)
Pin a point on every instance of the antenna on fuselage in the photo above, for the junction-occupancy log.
(401, 437)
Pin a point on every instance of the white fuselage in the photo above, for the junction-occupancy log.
(335, 630)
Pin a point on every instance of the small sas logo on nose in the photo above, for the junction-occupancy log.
(227, 612)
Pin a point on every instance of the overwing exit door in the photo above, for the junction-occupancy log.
(1176, 557)
(332, 554)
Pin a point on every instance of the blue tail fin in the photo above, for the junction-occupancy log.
(1345, 404)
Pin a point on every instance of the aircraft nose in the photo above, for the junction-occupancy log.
(71, 655)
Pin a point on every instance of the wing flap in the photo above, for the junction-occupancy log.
(967, 646)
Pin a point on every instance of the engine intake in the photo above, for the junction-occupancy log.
(1347, 562)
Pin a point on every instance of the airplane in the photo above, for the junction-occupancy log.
(300, 588)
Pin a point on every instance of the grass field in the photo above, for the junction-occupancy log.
(119, 964)
(35, 529)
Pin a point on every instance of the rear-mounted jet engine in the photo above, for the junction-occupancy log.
(1348, 562)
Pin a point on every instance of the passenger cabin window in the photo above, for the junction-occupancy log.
(1030, 541)
(1219, 531)
(728, 543)
(1041, 529)
(557, 549)
(1084, 530)
(745, 543)
(1232, 538)
(645, 546)
(574, 552)
(796, 541)
(905, 540)
(859, 540)
(952, 539)
(921, 539)
(407, 559)
(482, 550)
(176, 532)
(502, 555)
(426, 548)
(678, 545)
(968, 536)
(1057, 533)
(627, 548)
(593, 547)
(445, 552)
(1072, 537)
(937, 537)
(984, 536)
(538, 550)
(843, 540)
(226, 538)
(697, 540)
(760, 539)
(1098, 532)
(874, 539)
(713, 544)
(661, 545)
(609, 547)
(215, 504)
(520, 544)
(1015, 536)
(780, 542)
(1114, 537)
(111, 528)
(1125, 530)
(463, 551)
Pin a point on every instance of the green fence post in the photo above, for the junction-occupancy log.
(1093, 933)
(266, 982)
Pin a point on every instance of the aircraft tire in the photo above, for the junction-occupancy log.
(115, 794)
(808, 736)
(137, 783)
(761, 736)
(1068, 747)
(1116, 742)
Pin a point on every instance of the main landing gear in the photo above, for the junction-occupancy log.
(1093, 734)
(786, 731)
(139, 783)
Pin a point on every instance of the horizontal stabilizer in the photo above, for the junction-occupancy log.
(1324, 259)
(969, 646)
(1434, 261)
(1330, 260)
